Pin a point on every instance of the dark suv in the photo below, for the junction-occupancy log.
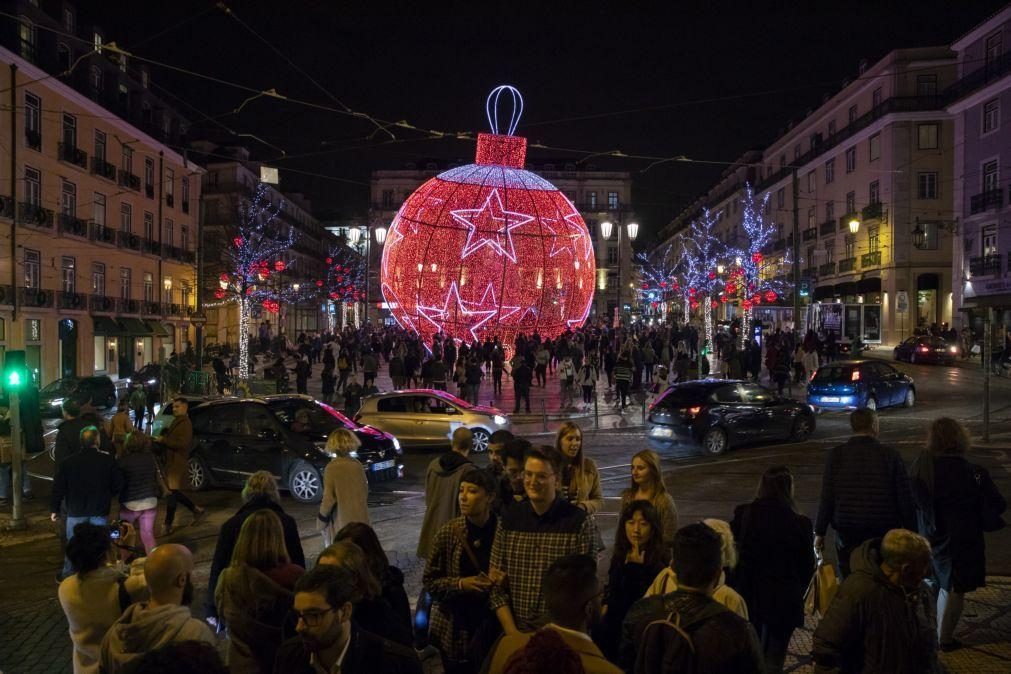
(99, 390)
(234, 438)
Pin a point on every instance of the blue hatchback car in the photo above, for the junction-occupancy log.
(860, 383)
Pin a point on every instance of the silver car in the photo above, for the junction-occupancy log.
(428, 417)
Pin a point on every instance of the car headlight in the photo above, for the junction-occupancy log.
(151, 381)
(56, 402)
(953, 349)
(499, 420)
(396, 443)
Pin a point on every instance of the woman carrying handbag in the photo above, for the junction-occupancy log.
(957, 502)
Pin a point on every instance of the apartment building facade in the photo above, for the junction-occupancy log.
(599, 196)
(229, 185)
(99, 216)
(872, 168)
(980, 102)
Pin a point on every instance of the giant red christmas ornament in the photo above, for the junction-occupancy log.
(489, 249)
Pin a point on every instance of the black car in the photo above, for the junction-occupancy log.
(149, 377)
(717, 414)
(99, 390)
(234, 438)
(926, 349)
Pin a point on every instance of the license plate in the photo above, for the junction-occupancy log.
(382, 465)
(830, 399)
(662, 432)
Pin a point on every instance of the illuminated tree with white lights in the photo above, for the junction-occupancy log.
(258, 243)
(345, 278)
(659, 273)
(701, 253)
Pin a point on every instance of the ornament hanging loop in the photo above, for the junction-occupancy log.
(491, 108)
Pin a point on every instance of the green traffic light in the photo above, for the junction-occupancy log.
(14, 379)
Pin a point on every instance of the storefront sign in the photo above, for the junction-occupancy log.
(902, 301)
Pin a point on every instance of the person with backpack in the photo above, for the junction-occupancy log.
(687, 630)
(623, 379)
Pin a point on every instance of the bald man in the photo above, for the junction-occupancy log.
(163, 620)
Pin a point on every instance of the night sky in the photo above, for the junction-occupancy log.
(706, 82)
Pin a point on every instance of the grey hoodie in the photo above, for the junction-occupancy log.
(140, 630)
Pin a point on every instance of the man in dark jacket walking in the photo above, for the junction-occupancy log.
(442, 488)
(87, 480)
(522, 379)
(260, 493)
(865, 491)
(881, 618)
(723, 642)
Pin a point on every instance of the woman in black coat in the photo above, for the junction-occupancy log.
(775, 547)
(951, 494)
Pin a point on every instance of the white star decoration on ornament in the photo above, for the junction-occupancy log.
(503, 312)
(574, 236)
(491, 225)
(453, 308)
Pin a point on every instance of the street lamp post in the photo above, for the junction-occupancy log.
(295, 287)
(631, 231)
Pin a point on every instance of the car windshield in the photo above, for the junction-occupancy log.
(834, 373)
(311, 417)
(59, 386)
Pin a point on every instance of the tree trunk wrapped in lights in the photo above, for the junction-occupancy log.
(701, 253)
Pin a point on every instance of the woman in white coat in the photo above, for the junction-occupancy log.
(345, 487)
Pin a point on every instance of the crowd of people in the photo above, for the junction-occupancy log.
(518, 577)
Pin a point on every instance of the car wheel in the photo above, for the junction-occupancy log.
(872, 404)
(714, 442)
(801, 428)
(910, 398)
(481, 438)
(197, 474)
(305, 484)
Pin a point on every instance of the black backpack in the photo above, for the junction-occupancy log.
(666, 644)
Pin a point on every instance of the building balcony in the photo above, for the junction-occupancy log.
(986, 265)
(151, 246)
(128, 180)
(101, 303)
(102, 234)
(6, 207)
(809, 234)
(6, 295)
(149, 191)
(984, 201)
(71, 224)
(826, 269)
(33, 214)
(872, 211)
(127, 306)
(870, 259)
(128, 240)
(72, 155)
(170, 200)
(33, 140)
(174, 309)
(72, 301)
(844, 221)
(150, 308)
(100, 167)
(827, 228)
(847, 265)
(186, 206)
(36, 297)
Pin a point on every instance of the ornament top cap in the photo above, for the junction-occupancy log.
(502, 149)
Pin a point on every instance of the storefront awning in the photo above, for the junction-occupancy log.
(157, 329)
(848, 288)
(997, 301)
(103, 325)
(134, 326)
(824, 292)
(868, 285)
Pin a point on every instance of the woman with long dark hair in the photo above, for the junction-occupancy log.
(647, 484)
(391, 579)
(639, 555)
(954, 497)
(775, 547)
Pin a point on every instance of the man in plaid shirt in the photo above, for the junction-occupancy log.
(531, 535)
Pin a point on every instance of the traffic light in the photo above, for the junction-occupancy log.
(15, 373)
(805, 287)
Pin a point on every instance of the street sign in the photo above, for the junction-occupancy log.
(198, 319)
(902, 301)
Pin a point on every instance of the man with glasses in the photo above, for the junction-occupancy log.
(531, 535)
(328, 641)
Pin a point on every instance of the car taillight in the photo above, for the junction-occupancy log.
(923, 349)
(813, 375)
(693, 411)
(855, 376)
